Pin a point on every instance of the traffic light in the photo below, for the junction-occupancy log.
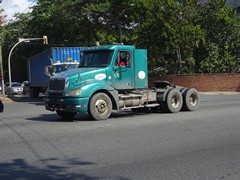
(45, 40)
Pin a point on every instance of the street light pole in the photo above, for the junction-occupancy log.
(9, 56)
(1, 75)
(9, 64)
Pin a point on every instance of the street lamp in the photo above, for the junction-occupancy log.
(45, 41)
(1, 75)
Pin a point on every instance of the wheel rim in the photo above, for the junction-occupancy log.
(193, 100)
(175, 101)
(101, 106)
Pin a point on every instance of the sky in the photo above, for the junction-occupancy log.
(22, 6)
(11, 7)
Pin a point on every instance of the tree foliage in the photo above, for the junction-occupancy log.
(171, 35)
(182, 36)
(220, 53)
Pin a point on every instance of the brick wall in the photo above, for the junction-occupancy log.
(203, 82)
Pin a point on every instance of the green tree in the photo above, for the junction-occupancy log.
(181, 36)
(220, 52)
(11, 33)
(170, 34)
(107, 21)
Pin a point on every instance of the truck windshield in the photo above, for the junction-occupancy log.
(96, 58)
(57, 68)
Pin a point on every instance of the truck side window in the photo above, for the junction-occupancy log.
(123, 59)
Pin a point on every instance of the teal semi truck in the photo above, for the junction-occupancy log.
(113, 78)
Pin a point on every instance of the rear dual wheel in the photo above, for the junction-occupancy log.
(173, 102)
(184, 99)
(191, 99)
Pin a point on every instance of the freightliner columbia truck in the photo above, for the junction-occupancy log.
(113, 78)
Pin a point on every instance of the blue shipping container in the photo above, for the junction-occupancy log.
(66, 54)
(37, 63)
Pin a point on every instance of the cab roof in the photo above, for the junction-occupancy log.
(108, 47)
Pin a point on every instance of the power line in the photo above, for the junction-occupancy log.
(29, 6)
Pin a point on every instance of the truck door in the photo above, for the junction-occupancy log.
(123, 70)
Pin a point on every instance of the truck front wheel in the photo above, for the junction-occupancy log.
(66, 115)
(100, 106)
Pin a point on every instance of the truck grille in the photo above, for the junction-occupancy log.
(57, 84)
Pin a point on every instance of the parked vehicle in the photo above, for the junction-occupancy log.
(24, 83)
(48, 63)
(114, 77)
(15, 88)
(1, 106)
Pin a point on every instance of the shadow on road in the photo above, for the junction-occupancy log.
(20, 169)
(82, 117)
(47, 117)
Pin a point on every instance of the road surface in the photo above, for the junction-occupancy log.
(201, 145)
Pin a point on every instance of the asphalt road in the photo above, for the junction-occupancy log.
(202, 145)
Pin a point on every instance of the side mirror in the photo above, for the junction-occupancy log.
(47, 70)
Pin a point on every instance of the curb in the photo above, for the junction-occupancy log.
(219, 93)
(6, 99)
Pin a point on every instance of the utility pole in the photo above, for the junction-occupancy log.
(1, 69)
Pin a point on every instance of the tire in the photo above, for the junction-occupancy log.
(31, 92)
(34, 93)
(66, 115)
(100, 106)
(182, 90)
(191, 100)
(173, 102)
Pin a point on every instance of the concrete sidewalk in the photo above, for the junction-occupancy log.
(7, 99)
(219, 93)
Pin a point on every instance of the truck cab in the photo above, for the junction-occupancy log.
(119, 65)
(110, 77)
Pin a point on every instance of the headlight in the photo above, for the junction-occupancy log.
(75, 92)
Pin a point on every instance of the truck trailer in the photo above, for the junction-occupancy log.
(114, 78)
(48, 63)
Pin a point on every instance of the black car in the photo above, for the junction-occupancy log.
(1, 105)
